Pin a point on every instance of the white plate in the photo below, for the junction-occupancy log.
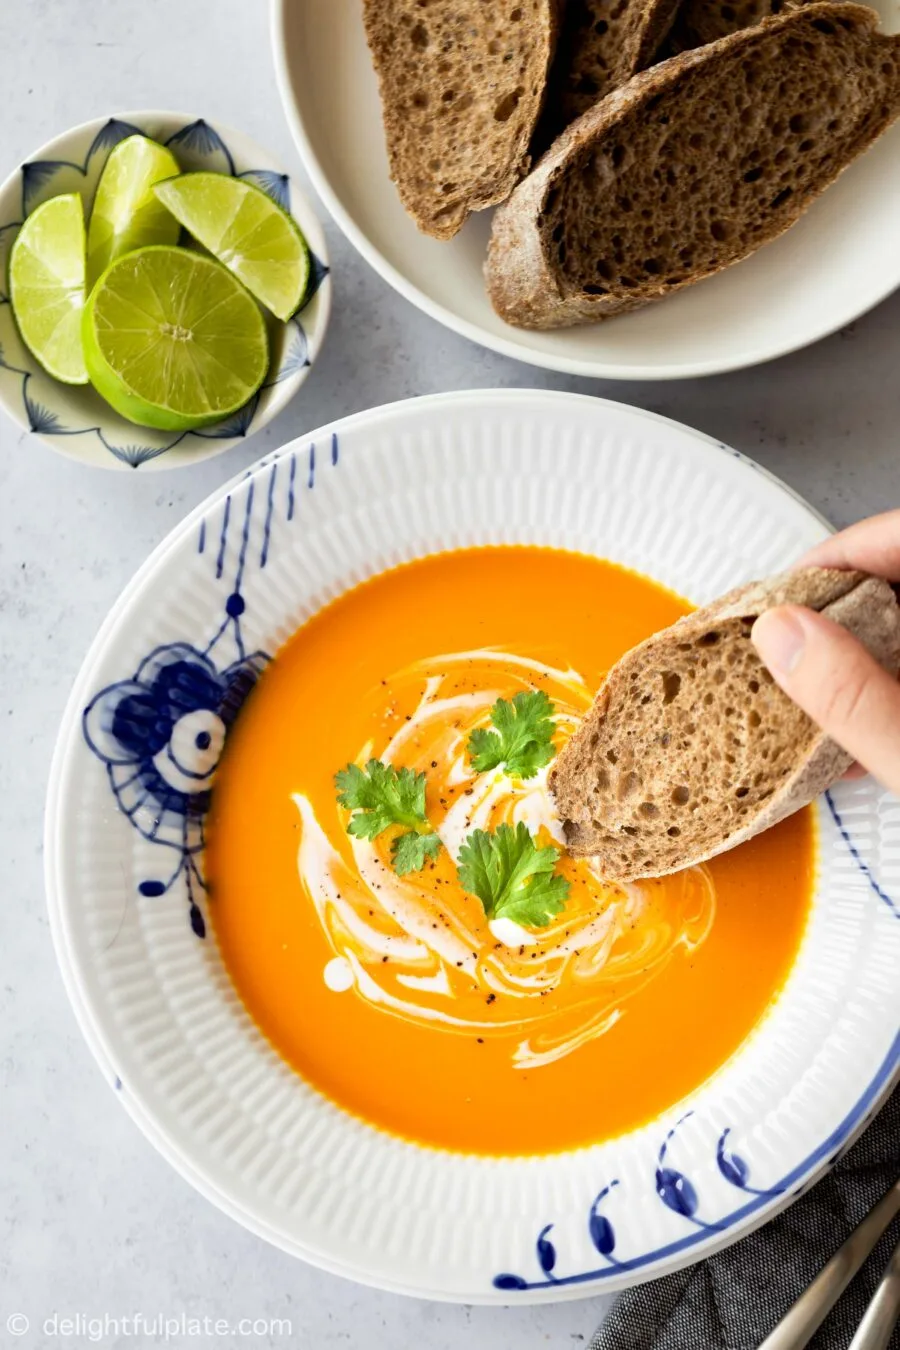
(156, 1003)
(839, 261)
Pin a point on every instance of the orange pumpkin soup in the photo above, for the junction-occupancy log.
(394, 994)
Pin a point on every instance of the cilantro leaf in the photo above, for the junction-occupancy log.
(513, 878)
(381, 796)
(523, 739)
(410, 851)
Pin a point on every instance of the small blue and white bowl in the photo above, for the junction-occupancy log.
(74, 419)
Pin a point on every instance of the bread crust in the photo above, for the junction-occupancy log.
(702, 21)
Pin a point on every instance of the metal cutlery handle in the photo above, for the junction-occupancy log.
(804, 1318)
(874, 1331)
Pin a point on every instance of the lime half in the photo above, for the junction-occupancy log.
(126, 214)
(172, 339)
(46, 286)
(247, 231)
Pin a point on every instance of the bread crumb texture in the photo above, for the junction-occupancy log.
(709, 167)
(462, 85)
(709, 726)
(693, 166)
(691, 745)
(602, 45)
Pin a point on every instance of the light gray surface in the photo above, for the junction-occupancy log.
(92, 1221)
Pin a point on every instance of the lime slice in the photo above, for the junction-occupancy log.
(46, 286)
(172, 339)
(126, 214)
(245, 230)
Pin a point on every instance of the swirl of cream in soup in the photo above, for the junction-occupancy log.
(419, 947)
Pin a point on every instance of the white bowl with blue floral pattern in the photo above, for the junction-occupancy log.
(130, 783)
(75, 420)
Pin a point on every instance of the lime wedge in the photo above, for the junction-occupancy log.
(46, 286)
(172, 339)
(245, 230)
(126, 214)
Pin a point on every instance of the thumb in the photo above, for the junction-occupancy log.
(832, 677)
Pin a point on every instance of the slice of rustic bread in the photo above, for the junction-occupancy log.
(601, 46)
(692, 165)
(702, 21)
(462, 86)
(691, 748)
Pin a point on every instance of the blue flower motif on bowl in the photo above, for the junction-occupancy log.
(160, 735)
(74, 419)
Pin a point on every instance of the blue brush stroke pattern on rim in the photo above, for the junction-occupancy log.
(859, 860)
(675, 1191)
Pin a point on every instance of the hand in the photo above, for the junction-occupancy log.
(826, 671)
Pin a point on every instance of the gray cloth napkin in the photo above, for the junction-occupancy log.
(733, 1300)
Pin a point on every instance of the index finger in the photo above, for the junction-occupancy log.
(871, 545)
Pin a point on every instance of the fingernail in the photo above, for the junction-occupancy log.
(779, 638)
